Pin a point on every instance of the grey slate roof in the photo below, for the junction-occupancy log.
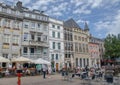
(71, 24)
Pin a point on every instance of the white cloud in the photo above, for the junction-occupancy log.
(82, 21)
(58, 10)
(95, 3)
(82, 11)
(77, 2)
(111, 27)
(24, 1)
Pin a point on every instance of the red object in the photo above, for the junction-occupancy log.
(19, 80)
(110, 61)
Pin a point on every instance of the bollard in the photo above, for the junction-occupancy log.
(19, 78)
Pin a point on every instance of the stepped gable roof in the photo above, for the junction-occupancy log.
(86, 26)
(71, 24)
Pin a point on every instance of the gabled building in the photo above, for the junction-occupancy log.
(76, 44)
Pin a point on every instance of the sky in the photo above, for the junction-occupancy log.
(102, 16)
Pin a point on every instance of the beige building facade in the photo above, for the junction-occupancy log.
(77, 53)
(81, 52)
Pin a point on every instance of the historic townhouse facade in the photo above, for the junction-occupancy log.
(81, 52)
(23, 32)
(101, 45)
(68, 45)
(10, 31)
(94, 55)
(34, 34)
(56, 45)
(76, 44)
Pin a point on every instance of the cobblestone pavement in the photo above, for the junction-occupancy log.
(54, 80)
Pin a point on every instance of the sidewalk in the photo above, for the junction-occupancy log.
(54, 80)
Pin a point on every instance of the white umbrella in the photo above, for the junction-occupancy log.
(21, 60)
(2, 59)
(41, 61)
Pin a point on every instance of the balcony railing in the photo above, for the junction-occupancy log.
(38, 43)
(35, 55)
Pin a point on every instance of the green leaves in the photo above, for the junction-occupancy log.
(112, 46)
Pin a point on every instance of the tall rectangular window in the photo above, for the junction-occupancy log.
(26, 24)
(76, 47)
(76, 62)
(39, 38)
(33, 25)
(58, 27)
(15, 39)
(84, 62)
(16, 24)
(87, 61)
(56, 56)
(32, 37)
(32, 50)
(53, 45)
(53, 34)
(59, 47)
(53, 26)
(58, 35)
(7, 38)
(38, 25)
(52, 57)
(25, 50)
(25, 36)
(80, 62)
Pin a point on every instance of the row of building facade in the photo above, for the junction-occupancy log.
(35, 35)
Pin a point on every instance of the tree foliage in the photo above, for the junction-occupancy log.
(112, 46)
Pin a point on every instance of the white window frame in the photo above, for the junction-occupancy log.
(6, 38)
(16, 39)
(27, 24)
(33, 25)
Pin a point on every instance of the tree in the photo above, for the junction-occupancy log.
(112, 46)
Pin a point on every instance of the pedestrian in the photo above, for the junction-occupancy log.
(49, 71)
(44, 71)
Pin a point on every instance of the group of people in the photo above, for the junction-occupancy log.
(37, 69)
(83, 72)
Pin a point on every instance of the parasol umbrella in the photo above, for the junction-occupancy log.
(41, 61)
(2, 59)
(21, 60)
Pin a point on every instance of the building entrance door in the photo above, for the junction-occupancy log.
(57, 66)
